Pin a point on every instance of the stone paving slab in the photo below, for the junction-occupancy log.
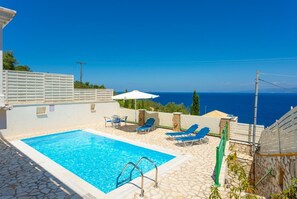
(192, 179)
(22, 178)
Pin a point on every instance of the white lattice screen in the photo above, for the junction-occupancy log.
(281, 137)
(20, 87)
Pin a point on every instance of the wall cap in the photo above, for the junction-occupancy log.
(177, 113)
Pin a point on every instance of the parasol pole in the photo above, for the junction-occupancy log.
(135, 108)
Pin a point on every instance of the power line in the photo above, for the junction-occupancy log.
(275, 85)
(215, 61)
(281, 75)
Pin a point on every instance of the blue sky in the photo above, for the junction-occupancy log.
(158, 45)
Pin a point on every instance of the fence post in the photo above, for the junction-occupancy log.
(227, 131)
(220, 152)
(176, 121)
(279, 139)
(141, 117)
(223, 123)
(224, 141)
(217, 181)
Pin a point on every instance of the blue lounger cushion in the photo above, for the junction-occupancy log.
(147, 126)
(185, 133)
(197, 137)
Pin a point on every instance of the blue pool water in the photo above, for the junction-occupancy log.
(96, 159)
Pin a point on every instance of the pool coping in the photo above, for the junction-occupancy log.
(87, 190)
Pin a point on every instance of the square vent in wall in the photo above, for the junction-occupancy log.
(41, 110)
(93, 108)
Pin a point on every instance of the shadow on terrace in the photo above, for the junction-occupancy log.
(20, 177)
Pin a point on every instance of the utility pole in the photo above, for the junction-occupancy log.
(255, 110)
(81, 64)
(255, 126)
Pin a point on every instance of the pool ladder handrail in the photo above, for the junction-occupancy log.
(140, 171)
(156, 168)
(134, 166)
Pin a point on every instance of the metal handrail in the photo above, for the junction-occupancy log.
(156, 175)
(134, 166)
(266, 174)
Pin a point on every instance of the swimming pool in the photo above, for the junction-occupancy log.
(94, 158)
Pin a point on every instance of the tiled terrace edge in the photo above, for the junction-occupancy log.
(83, 188)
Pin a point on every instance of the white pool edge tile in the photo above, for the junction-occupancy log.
(85, 189)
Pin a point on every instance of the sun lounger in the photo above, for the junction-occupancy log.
(147, 126)
(198, 137)
(188, 132)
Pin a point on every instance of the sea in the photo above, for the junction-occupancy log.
(271, 106)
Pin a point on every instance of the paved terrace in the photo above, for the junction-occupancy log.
(20, 177)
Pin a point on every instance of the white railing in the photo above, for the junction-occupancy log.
(58, 88)
(20, 87)
(281, 137)
(104, 95)
(165, 119)
(84, 95)
(89, 95)
(238, 131)
(244, 132)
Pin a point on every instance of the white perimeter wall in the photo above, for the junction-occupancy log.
(128, 112)
(165, 119)
(22, 119)
(211, 122)
(238, 131)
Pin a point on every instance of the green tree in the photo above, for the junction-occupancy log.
(195, 108)
(142, 104)
(23, 68)
(9, 61)
(132, 104)
(172, 107)
(290, 192)
(78, 84)
(126, 103)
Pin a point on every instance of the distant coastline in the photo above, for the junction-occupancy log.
(270, 108)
